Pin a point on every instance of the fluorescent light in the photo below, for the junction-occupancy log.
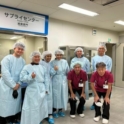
(77, 9)
(13, 37)
(120, 22)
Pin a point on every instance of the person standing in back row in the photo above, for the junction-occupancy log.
(34, 108)
(10, 90)
(46, 58)
(59, 73)
(101, 57)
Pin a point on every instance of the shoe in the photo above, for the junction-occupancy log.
(81, 115)
(105, 121)
(72, 116)
(96, 118)
(61, 114)
(55, 115)
(92, 107)
(51, 121)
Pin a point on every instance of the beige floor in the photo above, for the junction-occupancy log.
(116, 117)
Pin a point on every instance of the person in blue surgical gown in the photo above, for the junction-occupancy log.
(85, 66)
(10, 90)
(46, 56)
(101, 57)
(34, 108)
(59, 72)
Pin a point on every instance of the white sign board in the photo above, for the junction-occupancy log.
(23, 21)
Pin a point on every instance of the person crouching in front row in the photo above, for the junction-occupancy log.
(76, 81)
(101, 84)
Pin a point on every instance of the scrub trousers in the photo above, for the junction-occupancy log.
(73, 103)
(105, 107)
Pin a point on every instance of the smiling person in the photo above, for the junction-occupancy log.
(79, 56)
(76, 82)
(34, 108)
(10, 91)
(101, 57)
(101, 84)
(59, 73)
(46, 56)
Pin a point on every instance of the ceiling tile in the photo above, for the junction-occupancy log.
(36, 8)
(86, 4)
(65, 15)
(111, 26)
(12, 3)
(53, 3)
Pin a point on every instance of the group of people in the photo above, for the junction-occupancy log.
(41, 90)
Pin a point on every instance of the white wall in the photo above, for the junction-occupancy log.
(32, 44)
(65, 33)
(38, 43)
(5, 46)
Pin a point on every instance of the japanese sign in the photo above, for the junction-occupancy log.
(23, 21)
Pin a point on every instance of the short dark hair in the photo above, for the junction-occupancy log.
(100, 64)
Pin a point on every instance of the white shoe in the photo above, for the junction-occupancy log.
(81, 115)
(105, 121)
(96, 118)
(72, 116)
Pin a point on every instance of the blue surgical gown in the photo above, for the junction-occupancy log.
(106, 59)
(86, 68)
(60, 83)
(34, 108)
(11, 68)
(49, 96)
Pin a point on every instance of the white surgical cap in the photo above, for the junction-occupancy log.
(59, 52)
(19, 44)
(79, 49)
(102, 44)
(76, 63)
(45, 53)
(35, 53)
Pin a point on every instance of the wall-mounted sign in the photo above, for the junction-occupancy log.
(94, 31)
(23, 21)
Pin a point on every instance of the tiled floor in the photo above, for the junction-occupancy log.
(116, 117)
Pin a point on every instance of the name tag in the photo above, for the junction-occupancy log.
(105, 86)
(81, 85)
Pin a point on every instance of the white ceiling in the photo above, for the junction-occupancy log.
(107, 14)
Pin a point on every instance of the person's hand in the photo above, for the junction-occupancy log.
(16, 87)
(33, 75)
(96, 99)
(73, 96)
(83, 95)
(56, 68)
(107, 100)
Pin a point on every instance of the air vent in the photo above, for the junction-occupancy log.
(109, 2)
(104, 2)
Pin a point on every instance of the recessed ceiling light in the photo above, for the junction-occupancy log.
(13, 37)
(77, 9)
(120, 22)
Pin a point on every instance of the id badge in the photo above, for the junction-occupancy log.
(81, 85)
(105, 86)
